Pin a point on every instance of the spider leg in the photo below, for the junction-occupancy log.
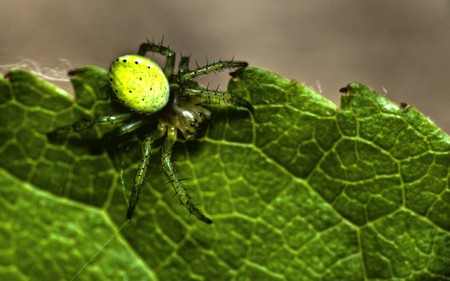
(142, 169)
(130, 127)
(85, 124)
(165, 51)
(184, 65)
(213, 67)
(180, 190)
(218, 97)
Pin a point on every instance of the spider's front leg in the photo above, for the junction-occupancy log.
(214, 97)
(187, 74)
(184, 197)
(142, 169)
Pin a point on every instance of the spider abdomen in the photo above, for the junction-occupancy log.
(139, 83)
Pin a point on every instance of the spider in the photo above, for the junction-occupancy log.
(174, 99)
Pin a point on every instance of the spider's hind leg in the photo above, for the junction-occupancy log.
(180, 190)
(165, 51)
(85, 124)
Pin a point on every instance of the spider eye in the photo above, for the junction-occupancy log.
(139, 83)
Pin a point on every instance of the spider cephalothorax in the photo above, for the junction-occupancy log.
(174, 99)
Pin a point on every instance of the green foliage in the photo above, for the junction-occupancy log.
(300, 190)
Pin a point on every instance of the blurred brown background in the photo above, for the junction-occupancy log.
(398, 46)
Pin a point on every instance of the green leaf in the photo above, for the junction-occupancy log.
(299, 190)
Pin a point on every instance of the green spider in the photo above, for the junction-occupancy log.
(174, 99)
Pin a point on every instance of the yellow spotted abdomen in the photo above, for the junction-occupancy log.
(139, 83)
